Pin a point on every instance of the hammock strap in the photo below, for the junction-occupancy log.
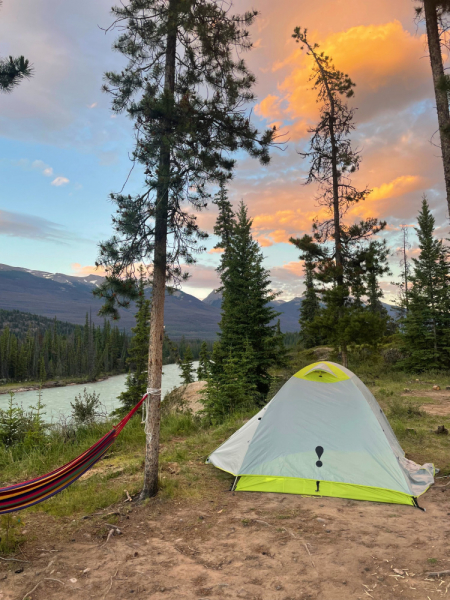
(150, 392)
(118, 428)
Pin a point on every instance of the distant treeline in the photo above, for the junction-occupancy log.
(35, 348)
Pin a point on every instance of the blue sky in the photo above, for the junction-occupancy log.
(62, 151)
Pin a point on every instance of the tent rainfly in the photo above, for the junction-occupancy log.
(323, 434)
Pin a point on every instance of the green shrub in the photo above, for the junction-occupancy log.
(10, 538)
(85, 409)
(14, 424)
(399, 409)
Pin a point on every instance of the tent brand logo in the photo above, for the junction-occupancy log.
(319, 452)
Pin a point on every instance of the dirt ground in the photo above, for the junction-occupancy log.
(191, 394)
(441, 401)
(251, 546)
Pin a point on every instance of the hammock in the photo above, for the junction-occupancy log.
(23, 495)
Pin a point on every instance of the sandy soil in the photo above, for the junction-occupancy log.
(241, 545)
(442, 401)
(191, 394)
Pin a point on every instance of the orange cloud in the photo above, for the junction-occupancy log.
(264, 242)
(295, 268)
(379, 58)
(269, 108)
(399, 186)
(81, 271)
(215, 251)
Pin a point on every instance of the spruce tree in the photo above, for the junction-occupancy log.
(426, 327)
(376, 265)
(187, 367)
(232, 388)
(42, 371)
(204, 363)
(247, 316)
(136, 383)
(310, 335)
(226, 219)
(185, 87)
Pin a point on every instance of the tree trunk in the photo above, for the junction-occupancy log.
(405, 264)
(344, 355)
(150, 487)
(437, 68)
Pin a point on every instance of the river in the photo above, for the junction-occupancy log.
(57, 400)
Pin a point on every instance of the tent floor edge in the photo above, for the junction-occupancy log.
(416, 504)
(331, 489)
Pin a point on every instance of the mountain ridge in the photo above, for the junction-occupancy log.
(69, 298)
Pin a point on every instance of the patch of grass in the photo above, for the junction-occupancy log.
(404, 409)
(10, 536)
(432, 561)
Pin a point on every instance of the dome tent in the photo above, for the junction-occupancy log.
(323, 434)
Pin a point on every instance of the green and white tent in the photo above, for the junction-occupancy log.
(323, 434)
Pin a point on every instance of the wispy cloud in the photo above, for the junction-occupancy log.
(22, 225)
(41, 166)
(60, 181)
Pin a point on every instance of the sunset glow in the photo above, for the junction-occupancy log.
(63, 153)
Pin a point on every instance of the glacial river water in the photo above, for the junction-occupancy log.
(57, 400)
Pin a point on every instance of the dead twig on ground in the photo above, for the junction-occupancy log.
(14, 559)
(119, 532)
(437, 574)
(110, 585)
(38, 583)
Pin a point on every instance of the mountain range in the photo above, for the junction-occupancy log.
(69, 298)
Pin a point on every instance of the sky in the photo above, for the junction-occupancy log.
(63, 151)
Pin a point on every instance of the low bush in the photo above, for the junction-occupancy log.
(86, 408)
(400, 409)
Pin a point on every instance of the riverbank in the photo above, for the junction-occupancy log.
(36, 385)
(31, 386)
(57, 398)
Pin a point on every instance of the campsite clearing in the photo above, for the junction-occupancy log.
(198, 540)
(239, 545)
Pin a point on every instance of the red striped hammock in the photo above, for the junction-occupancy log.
(22, 495)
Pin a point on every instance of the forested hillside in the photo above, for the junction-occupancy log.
(36, 348)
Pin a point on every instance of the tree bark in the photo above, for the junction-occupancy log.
(405, 265)
(344, 355)
(437, 68)
(150, 487)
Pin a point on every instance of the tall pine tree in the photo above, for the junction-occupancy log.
(204, 363)
(310, 335)
(187, 367)
(185, 86)
(426, 327)
(247, 315)
(333, 160)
